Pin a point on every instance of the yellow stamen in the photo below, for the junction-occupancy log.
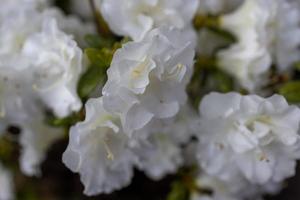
(110, 155)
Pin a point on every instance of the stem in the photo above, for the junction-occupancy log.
(102, 27)
(206, 62)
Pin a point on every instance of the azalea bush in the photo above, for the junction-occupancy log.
(204, 91)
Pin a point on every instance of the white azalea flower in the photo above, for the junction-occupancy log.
(220, 190)
(159, 144)
(286, 30)
(6, 182)
(265, 30)
(257, 137)
(14, 31)
(35, 139)
(49, 64)
(98, 151)
(159, 155)
(248, 60)
(147, 79)
(235, 189)
(21, 108)
(183, 126)
(71, 24)
(135, 18)
(11, 7)
(36, 136)
(15, 94)
(56, 64)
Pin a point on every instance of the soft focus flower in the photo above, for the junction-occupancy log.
(285, 28)
(6, 189)
(248, 60)
(147, 79)
(257, 137)
(38, 63)
(11, 7)
(220, 190)
(135, 18)
(20, 107)
(71, 25)
(98, 151)
(159, 155)
(56, 66)
(235, 189)
(35, 139)
(267, 31)
(181, 127)
(14, 31)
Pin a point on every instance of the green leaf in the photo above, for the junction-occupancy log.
(96, 41)
(99, 57)
(291, 91)
(223, 82)
(178, 191)
(90, 80)
(62, 122)
(100, 60)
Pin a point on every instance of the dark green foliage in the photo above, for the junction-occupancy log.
(291, 91)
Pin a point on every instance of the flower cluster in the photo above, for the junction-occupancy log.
(267, 33)
(146, 83)
(250, 136)
(40, 64)
(228, 58)
(136, 18)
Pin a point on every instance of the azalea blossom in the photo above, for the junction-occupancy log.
(235, 189)
(20, 107)
(257, 137)
(159, 155)
(269, 35)
(71, 25)
(12, 7)
(49, 63)
(220, 190)
(182, 127)
(35, 139)
(56, 64)
(248, 60)
(286, 30)
(98, 151)
(14, 32)
(135, 18)
(147, 79)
